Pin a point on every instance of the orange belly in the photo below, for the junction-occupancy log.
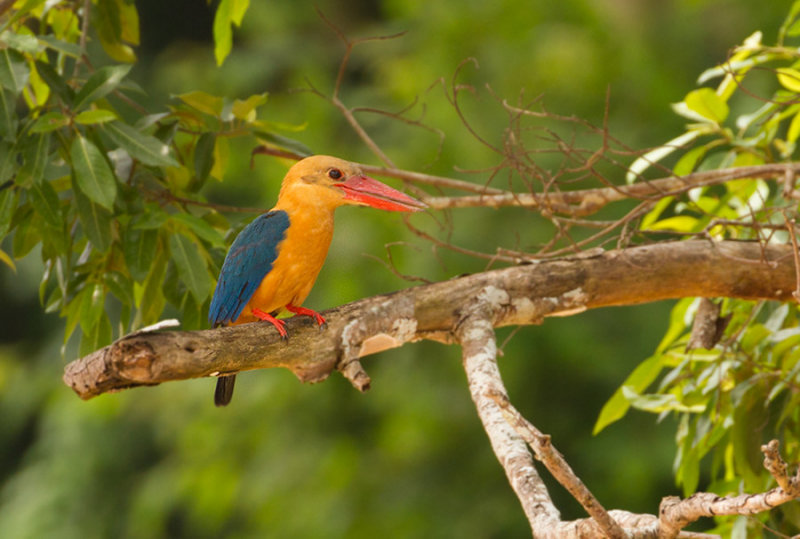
(300, 258)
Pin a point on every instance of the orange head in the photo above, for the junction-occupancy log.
(332, 182)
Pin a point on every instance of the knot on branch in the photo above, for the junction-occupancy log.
(386, 325)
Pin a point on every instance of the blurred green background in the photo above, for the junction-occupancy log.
(409, 458)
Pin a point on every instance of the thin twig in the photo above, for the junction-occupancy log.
(556, 464)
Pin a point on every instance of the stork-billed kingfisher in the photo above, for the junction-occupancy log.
(274, 260)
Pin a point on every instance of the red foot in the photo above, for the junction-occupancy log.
(306, 312)
(280, 325)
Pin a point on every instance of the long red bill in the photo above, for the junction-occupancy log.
(365, 190)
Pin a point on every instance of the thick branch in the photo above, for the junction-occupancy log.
(475, 332)
(556, 287)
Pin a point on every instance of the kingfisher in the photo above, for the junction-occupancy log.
(274, 261)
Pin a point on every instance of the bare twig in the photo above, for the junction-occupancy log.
(674, 513)
(557, 465)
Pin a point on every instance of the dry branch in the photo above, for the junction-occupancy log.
(558, 287)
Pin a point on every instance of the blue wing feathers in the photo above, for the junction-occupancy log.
(248, 261)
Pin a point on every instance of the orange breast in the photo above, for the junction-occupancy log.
(300, 258)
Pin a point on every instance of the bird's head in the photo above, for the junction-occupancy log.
(336, 182)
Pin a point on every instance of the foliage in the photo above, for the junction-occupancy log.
(746, 389)
(110, 192)
(106, 188)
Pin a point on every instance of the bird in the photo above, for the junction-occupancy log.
(274, 261)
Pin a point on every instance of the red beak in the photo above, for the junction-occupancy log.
(365, 190)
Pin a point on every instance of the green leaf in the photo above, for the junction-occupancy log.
(45, 201)
(245, 110)
(139, 249)
(96, 339)
(8, 203)
(8, 115)
(665, 402)
(93, 173)
(93, 299)
(617, 406)
(202, 101)
(7, 260)
(677, 223)
(145, 148)
(706, 103)
(70, 49)
(689, 160)
(191, 267)
(102, 82)
(656, 154)
(27, 234)
(14, 70)
(55, 81)
(228, 12)
(120, 286)
(50, 121)
(286, 143)
(200, 227)
(204, 156)
(151, 297)
(96, 116)
(35, 155)
(789, 78)
(21, 42)
(96, 220)
(653, 215)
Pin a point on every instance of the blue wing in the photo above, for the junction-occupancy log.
(248, 261)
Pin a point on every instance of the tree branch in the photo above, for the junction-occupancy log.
(475, 333)
(557, 287)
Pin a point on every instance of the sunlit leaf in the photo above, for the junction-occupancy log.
(228, 12)
(706, 103)
(246, 109)
(677, 223)
(656, 154)
(190, 265)
(102, 82)
(95, 116)
(221, 154)
(7, 260)
(92, 172)
(202, 101)
(617, 406)
(789, 78)
(145, 148)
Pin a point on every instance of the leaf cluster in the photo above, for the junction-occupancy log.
(105, 189)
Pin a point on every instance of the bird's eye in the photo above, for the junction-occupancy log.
(335, 174)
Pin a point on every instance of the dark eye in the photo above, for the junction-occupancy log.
(335, 174)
